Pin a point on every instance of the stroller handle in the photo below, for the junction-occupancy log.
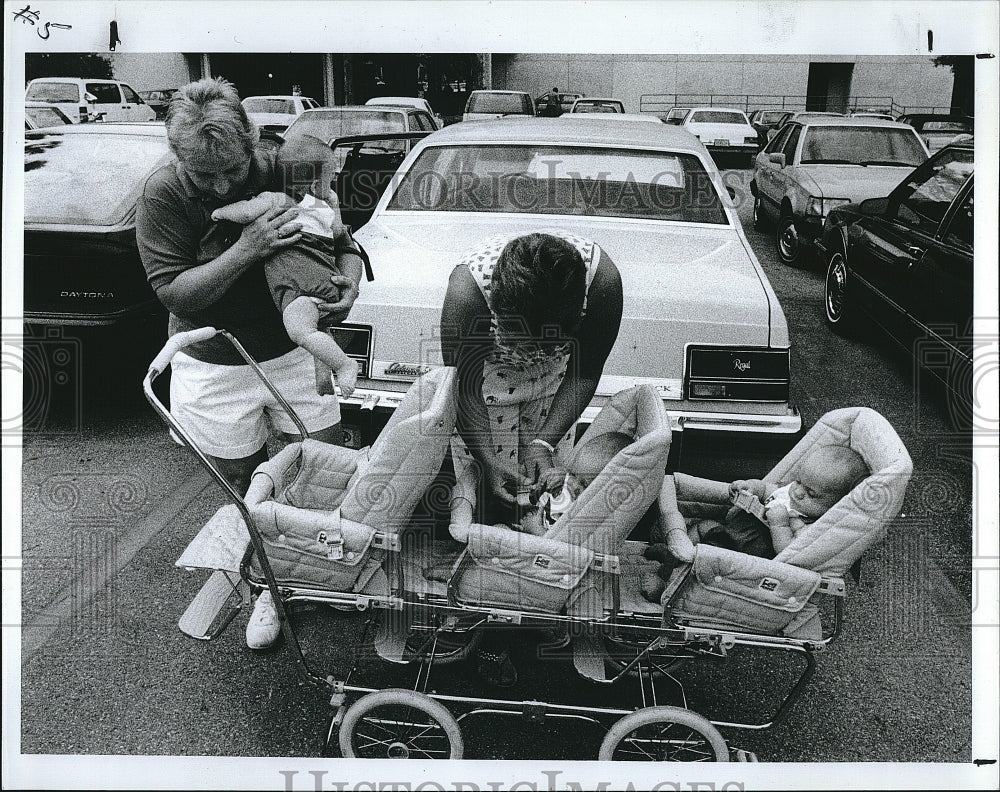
(176, 343)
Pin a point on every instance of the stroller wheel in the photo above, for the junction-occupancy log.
(663, 734)
(399, 724)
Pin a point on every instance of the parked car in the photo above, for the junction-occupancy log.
(701, 322)
(810, 167)
(83, 99)
(276, 113)
(417, 103)
(675, 115)
(81, 184)
(39, 114)
(767, 122)
(158, 99)
(484, 105)
(938, 129)
(904, 263)
(722, 130)
(563, 101)
(591, 104)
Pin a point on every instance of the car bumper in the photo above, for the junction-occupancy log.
(810, 229)
(685, 415)
(742, 148)
(132, 315)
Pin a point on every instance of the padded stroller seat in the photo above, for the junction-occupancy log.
(326, 514)
(727, 589)
(566, 567)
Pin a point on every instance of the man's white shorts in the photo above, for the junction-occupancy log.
(226, 409)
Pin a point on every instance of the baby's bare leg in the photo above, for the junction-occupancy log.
(301, 318)
(244, 212)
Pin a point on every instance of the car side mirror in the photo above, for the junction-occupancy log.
(874, 207)
(89, 98)
(777, 159)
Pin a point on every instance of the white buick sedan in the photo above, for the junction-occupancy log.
(701, 322)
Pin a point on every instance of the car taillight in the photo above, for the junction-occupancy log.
(749, 139)
(736, 374)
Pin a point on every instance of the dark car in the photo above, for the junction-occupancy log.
(938, 129)
(158, 100)
(81, 184)
(904, 263)
(766, 122)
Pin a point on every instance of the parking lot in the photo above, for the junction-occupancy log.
(109, 502)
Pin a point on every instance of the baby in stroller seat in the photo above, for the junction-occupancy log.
(765, 519)
(555, 494)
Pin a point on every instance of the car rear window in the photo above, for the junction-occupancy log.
(499, 103)
(560, 180)
(773, 118)
(717, 117)
(53, 92)
(332, 123)
(862, 145)
(598, 107)
(260, 104)
(86, 179)
(946, 126)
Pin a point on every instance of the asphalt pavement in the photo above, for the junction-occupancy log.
(109, 503)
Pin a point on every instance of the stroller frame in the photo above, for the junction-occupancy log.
(653, 644)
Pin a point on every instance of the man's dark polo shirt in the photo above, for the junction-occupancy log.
(175, 231)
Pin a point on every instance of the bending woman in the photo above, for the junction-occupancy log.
(529, 323)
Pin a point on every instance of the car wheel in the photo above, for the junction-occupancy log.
(760, 220)
(841, 314)
(787, 240)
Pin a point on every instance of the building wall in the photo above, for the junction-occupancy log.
(908, 81)
(146, 71)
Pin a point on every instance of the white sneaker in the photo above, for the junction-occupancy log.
(263, 628)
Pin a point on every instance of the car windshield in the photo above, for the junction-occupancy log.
(560, 180)
(861, 145)
(499, 103)
(86, 179)
(717, 117)
(53, 92)
(45, 116)
(261, 104)
(328, 124)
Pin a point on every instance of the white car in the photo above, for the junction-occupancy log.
(485, 105)
(809, 167)
(415, 102)
(84, 99)
(276, 113)
(701, 322)
(723, 130)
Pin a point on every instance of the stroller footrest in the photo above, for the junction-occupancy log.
(205, 609)
(588, 657)
(221, 544)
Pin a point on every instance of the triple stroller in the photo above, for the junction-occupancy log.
(331, 525)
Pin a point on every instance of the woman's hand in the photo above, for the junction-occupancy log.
(338, 311)
(537, 460)
(272, 231)
(504, 485)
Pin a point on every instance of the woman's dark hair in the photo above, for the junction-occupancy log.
(540, 280)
